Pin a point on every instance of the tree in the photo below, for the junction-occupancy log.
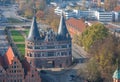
(110, 4)
(40, 14)
(52, 19)
(91, 72)
(106, 52)
(76, 39)
(103, 56)
(92, 34)
(26, 7)
(28, 13)
(42, 4)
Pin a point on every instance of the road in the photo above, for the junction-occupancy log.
(47, 78)
(65, 75)
(11, 12)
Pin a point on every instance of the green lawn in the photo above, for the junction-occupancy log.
(17, 37)
(21, 48)
(26, 31)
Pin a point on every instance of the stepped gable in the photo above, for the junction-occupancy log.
(34, 32)
(62, 31)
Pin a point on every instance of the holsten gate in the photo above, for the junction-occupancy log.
(47, 49)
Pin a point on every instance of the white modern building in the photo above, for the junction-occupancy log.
(100, 15)
(58, 10)
(86, 14)
(104, 16)
(67, 13)
(70, 13)
(116, 16)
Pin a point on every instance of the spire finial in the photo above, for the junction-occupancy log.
(62, 14)
(34, 7)
(117, 62)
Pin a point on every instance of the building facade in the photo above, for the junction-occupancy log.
(2, 74)
(87, 14)
(15, 72)
(67, 13)
(12, 70)
(49, 49)
(104, 16)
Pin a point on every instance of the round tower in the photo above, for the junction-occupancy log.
(116, 75)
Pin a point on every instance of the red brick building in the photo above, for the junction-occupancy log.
(31, 72)
(76, 26)
(2, 74)
(12, 70)
(47, 49)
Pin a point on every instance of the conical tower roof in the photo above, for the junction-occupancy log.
(34, 32)
(62, 31)
(116, 74)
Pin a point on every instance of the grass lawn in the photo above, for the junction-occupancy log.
(17, 37)
(26, 31)
(21, 48)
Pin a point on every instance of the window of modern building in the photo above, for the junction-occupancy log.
(69, 52)
(66, 61)
(50, 47)
(64, 46)
(50, 53)
(58, 54)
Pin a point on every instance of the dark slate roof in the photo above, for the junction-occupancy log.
(62, 31)
(34, 32)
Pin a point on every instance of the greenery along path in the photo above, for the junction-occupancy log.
(16, 36)
(26, 31)
(19, 41)
(21, 48)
